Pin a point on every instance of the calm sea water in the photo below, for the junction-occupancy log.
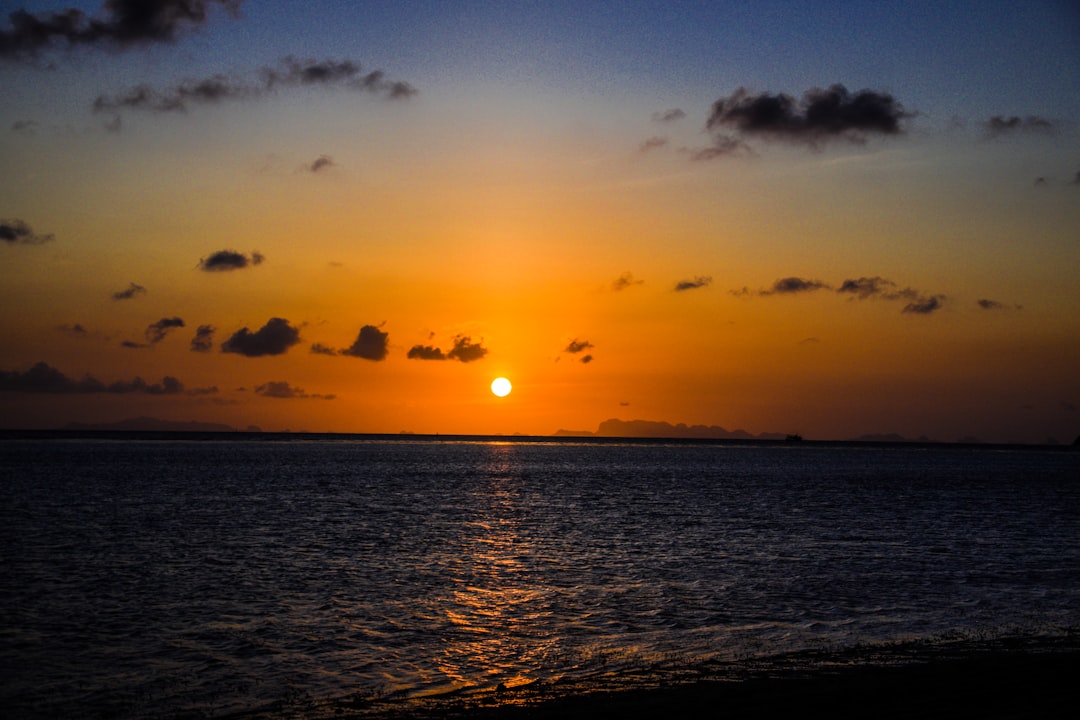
(183, 578)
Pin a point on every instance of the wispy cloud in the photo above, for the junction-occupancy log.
(273, 338)
(669, 116)
(624, 281)
(17, 232)
(226, 260)
(203, 342)
(131, 291)
(157, 331)
(998, 125)
(794, 285)
(281, 389)
(925, 305)
(654, 143)
(321, 163)
(700, 281)
(123, 23)
(576, 347)
(290, 72)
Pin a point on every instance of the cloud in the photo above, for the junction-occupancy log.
(283, 390)
(425, 352)
(989, 304)
(370, 344)
(226, 260)
(587, 359)
(866, 287)
(273, 338)
(793, 285)
(925, 305)
(124, 23)
(577, 346)
(130, 292)
(157, 331)
(464, 350)
(72, 329)
(698, 282)
(43, 378)
(24, 127)
(624, 281)
(654, 143)
(1076, 179)
(17, 232)
(203, 341)
(820, 115)
(323, 162)
(290, 72)
(320, 349)
(998, 125)
(668, 116)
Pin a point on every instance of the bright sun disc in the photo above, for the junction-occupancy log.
(501, 387)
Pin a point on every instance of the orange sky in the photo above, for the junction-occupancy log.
(911, 268)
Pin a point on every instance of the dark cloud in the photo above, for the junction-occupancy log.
(866, 287)
(203, 341)
(653, 143)
(625, 280)
(577, 346)
(323, 162)
(290, 72)
(370, 344)
(123, 23)
(1076, 179)
(821, 114)
(157, 331)
(73, 329)
(793, 285)
(698, 282)
(999, 125)
(131, 291)
(225, 260)
(986, 304)
(320, 349)
(587, 359)
(464, 350)
(925, 305)
(43, 378)
(132, 345)
(283, 390)
(425, 352)
(273, 338)
(17, 232)
(1040, 182)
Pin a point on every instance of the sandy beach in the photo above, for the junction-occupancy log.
(1003, 678)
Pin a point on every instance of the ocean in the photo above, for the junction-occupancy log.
(206, 576)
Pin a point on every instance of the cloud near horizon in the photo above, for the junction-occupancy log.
(793, 285)
(16, 232)
(625, 281)
(226, 260)
(124, 23)
(290, 72)
(203, 342)
(281, 389)
(45, 379)
(273, 338)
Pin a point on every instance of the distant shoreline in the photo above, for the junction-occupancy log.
(89, 433)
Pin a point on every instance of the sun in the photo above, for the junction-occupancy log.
(501, 386)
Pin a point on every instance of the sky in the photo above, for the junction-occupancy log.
(825, 218)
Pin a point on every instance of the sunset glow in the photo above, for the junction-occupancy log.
(831, 219)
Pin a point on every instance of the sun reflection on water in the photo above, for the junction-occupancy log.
(498, 603)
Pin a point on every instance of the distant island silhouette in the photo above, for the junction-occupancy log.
(660, 429)
(150, 424)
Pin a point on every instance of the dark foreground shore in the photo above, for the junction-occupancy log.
(1002, 678)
